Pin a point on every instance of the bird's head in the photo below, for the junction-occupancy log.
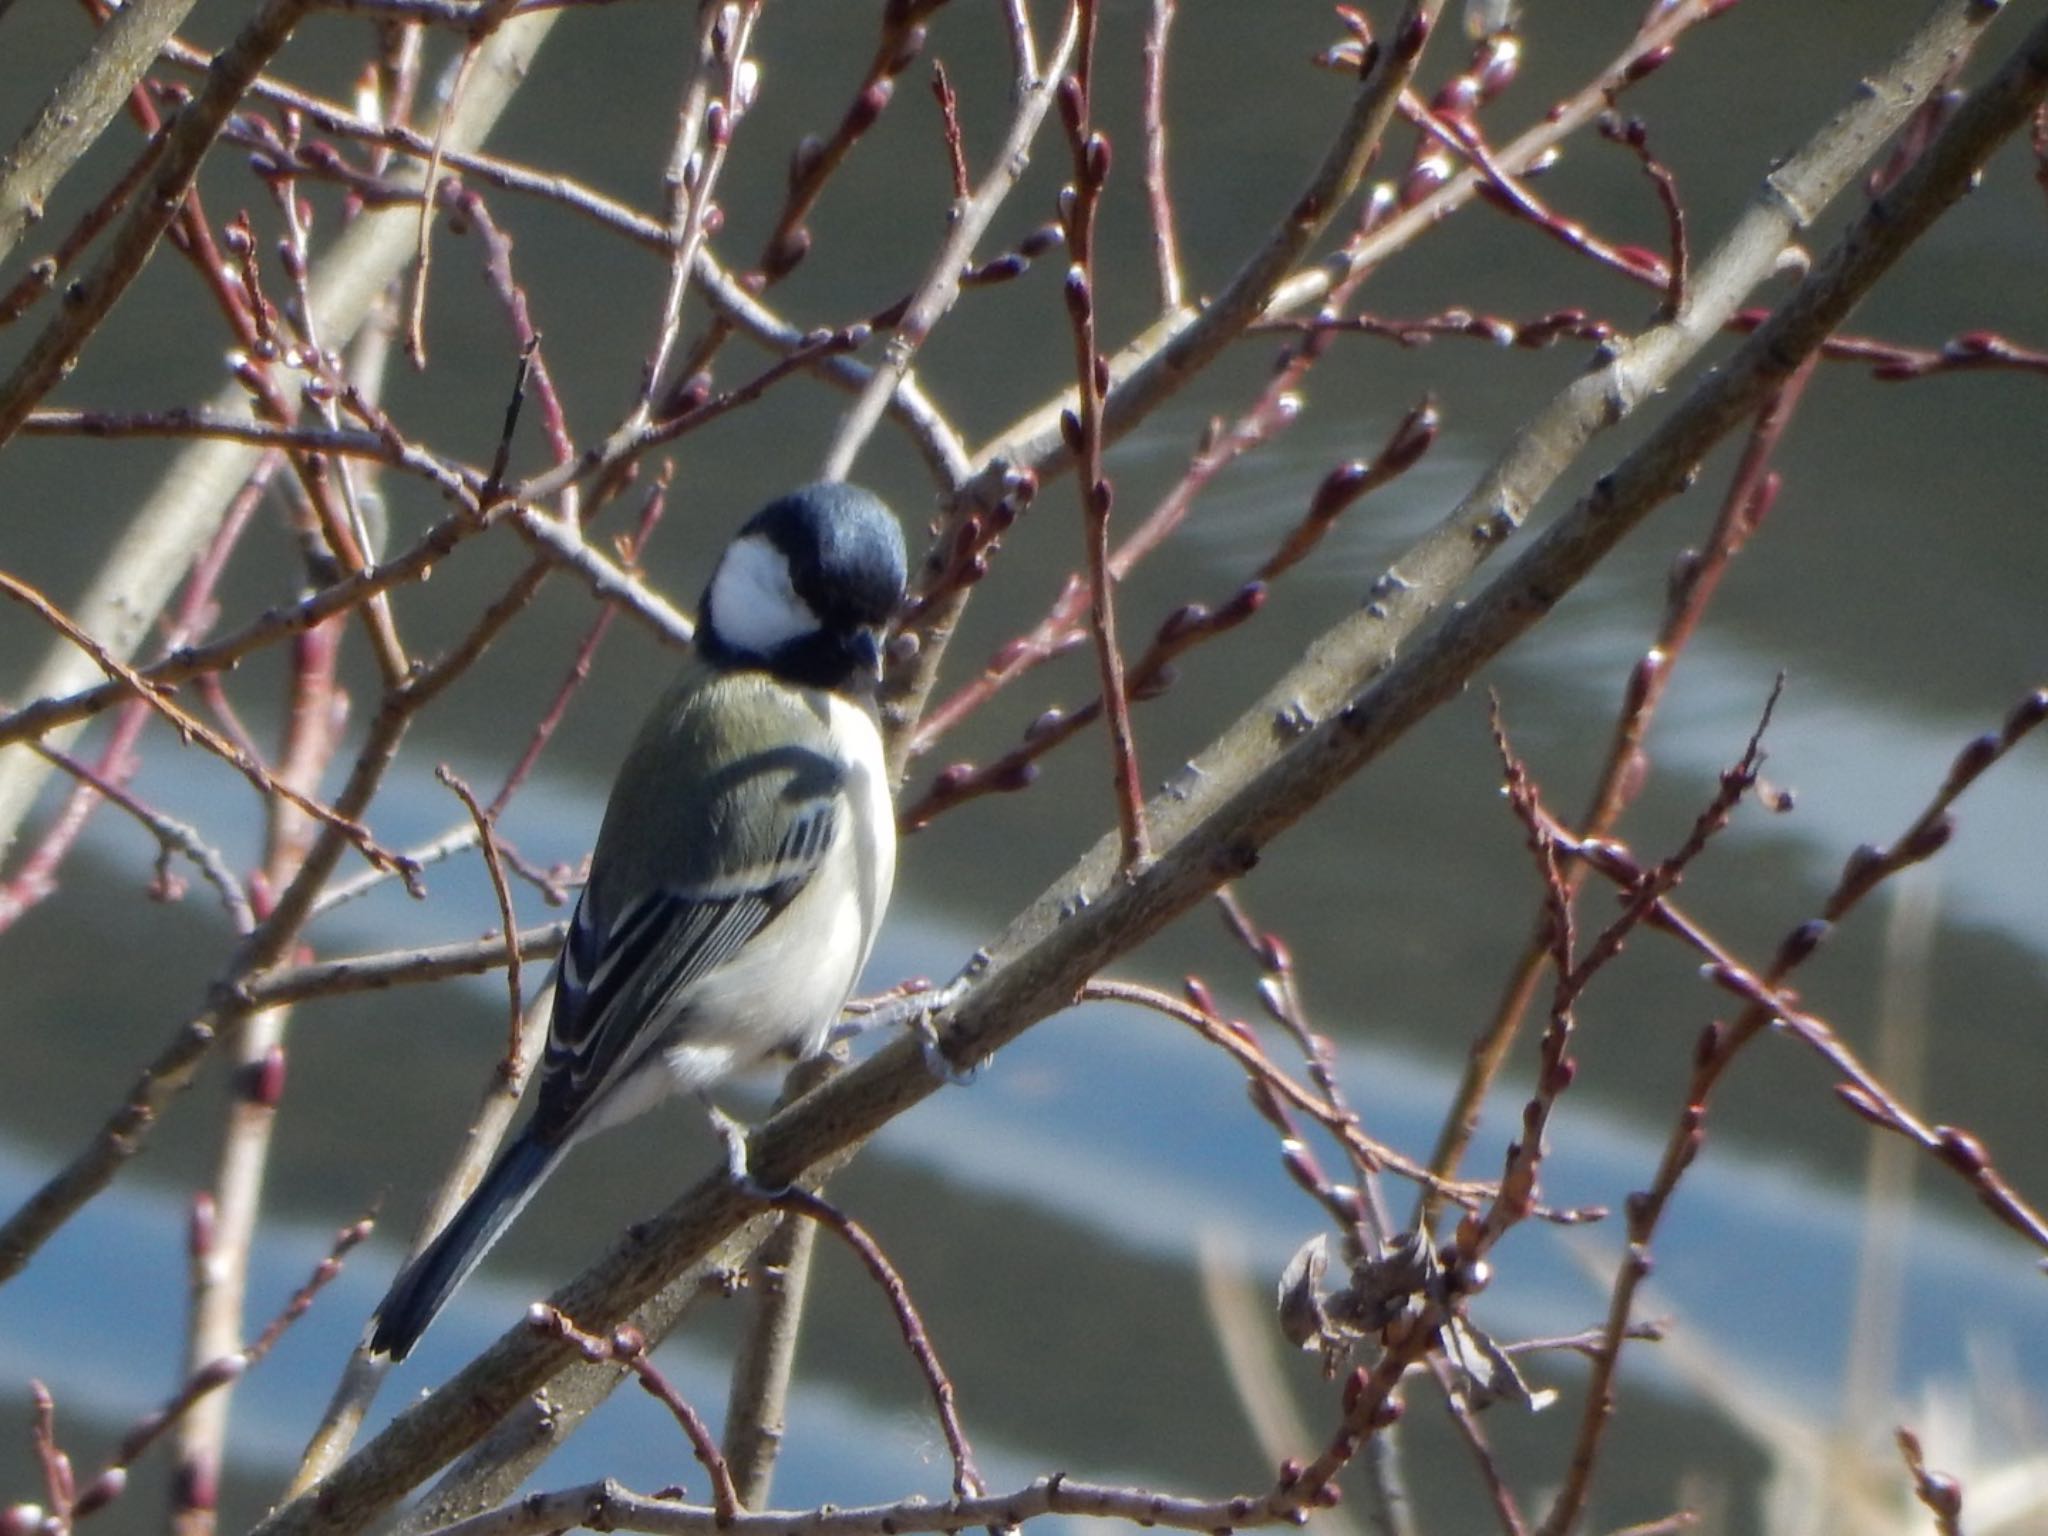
(806, 589)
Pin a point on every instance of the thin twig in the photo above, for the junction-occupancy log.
(1032, 94)
(1165, 247)
(628, 1347)
(487, 839)
(93, 296)
(1217, 824)
(112, 1479)
(1079, 201)
(192, 729)
(967, 1481)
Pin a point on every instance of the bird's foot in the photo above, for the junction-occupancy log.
(916, 1012)
(738, 1165)
(893, 1010)
(933, 1050)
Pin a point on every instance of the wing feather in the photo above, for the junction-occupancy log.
(622, 990)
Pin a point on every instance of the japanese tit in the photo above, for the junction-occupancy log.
(741, 871)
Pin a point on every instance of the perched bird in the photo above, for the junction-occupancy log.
(740, 874)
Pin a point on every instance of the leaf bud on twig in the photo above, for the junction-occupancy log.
(1340, 487)
(1961, 1150)
(1079, 300)
(1500, 56)
(1861, 1103)
(906, 55)
(746, 87)
(1246, 601)
(1925, 842)
(1800, 943)
(1041, 240)
(264, 1084)
(99, 1493)
(1187, 617)
(1073, 106)
(1412, 438)
(1458, 98)
(1431, 170)
(1411, 34)
(804, 159)
(1097, 159)
(1011, 777)
(1153, 683)
(1646, 63)
(1863, 865)
(2032, 710)
(1978, 755)
(869, 105)
(789, 249)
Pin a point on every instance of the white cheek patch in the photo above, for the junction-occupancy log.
(753, 606)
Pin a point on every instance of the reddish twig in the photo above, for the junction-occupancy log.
(1361, 1211)
(1409, 441)
(1062, 628)
(627, 1346)
(487, 839)
(1150, 675)
(35, 880)
(1720, 1045)
(631, 548)
(1942, 1494)
(815, 161)
(1633, 134)
(949, 115)
(967, 1483)
(193, 730)
(1183, 629)
(1466, 1422)
(175, 839)
(60, 1483)
(1198, 1013)
(112, 1479)
(487, 16)
(1624, 769)
(473, 215)
(1084, 432)
(1892, 362)
(186, 663)
(1509, 193)
(42, 274)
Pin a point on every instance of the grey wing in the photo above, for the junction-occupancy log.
(624, 975)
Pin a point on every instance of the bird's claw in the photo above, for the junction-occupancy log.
(738, 1166)
(933, 1050)
(915, 1012)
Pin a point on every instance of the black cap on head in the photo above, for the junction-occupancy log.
(844, 548)
(806, 588)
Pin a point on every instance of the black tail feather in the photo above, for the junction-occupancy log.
(424, 1286)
